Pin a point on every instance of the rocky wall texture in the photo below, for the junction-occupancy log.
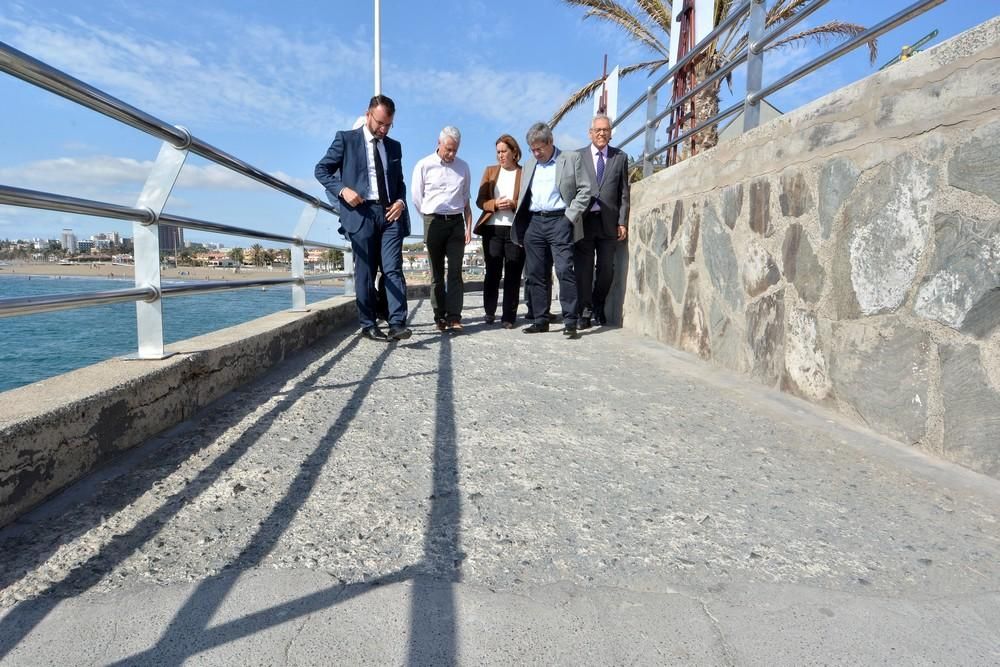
(848, 252)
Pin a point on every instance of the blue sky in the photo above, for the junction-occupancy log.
(271, 82)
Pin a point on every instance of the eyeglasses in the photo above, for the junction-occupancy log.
(601, 130)
(379, 123)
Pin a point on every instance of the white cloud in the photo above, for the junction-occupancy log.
(255, 76)
(102, 173)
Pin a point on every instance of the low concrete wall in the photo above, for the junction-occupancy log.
(848, 252)
(55, 431)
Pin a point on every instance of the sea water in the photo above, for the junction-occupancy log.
(35, 347)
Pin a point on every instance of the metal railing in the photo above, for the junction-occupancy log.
(757, 40)
(147, 214)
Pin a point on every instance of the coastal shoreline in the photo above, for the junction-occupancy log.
(127, 272)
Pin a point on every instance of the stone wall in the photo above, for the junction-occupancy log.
(848, 252)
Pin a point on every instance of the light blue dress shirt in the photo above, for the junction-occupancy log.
(544, 189)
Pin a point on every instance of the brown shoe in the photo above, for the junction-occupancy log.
(455, 327)
(507, 325)
(441, 325)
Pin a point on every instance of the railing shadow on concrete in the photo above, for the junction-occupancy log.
(433, 620)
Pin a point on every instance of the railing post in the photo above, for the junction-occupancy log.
(349, 270)
(146, 247)
(298, 257)
(650, 143)
(755, 64)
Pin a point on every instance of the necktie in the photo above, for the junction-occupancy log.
(600, 167)
(383, 194)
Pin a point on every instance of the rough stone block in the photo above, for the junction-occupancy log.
(883, 376)
(760, 207)
(677, 219)
(889, 224)
(694, 329)
(673, 273)
(974, 167)
(971, 410)
(726, 340)
(766, 337)
(690, 233)
(720, 258)
(732, 204)
(802, 267)
(806, 371)
(660, 235)
(759, 269)
(965, 276)
(795, 199)
(669, 323)
(836, 182)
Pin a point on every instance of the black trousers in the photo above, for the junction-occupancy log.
(547, 242)
(504, 259)
(445, 239)
(592, 288)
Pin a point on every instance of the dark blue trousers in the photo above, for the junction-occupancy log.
(547, 242)
(379, 239)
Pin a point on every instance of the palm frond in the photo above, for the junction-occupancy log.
(611, 11)
(584, 93)
(658, 12)
(832, 30)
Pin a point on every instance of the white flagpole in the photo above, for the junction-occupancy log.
(378, 48)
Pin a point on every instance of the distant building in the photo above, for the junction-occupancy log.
(171, 238)
(84, 246)
(69, 241)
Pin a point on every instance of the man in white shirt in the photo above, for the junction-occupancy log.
(441, 187)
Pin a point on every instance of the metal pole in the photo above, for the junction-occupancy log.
(146, 247)
(378, 47)
(298, 258)
(647, 162)
(755, 65)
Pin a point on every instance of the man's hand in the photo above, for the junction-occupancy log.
(351, 197)
(622, 232)
(468, 235)
(394, 212)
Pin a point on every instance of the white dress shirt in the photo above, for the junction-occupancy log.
(441, 187)
(370, 148)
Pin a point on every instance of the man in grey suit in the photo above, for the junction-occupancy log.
(548, 220)
(604, 224)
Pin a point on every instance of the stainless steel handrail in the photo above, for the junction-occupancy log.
(21, 65)
(875, 31)
(757, 41)
(727, 23)
(25, 305)
(55, 202)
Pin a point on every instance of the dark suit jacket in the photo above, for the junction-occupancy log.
(346, 165)
(575, 187)
(613, 192)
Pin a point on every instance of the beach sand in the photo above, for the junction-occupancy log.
(105, 270)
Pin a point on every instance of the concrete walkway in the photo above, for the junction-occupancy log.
(497, 498)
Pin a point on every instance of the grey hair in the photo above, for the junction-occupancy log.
(450, 132)
(539, 132)
(600, 116)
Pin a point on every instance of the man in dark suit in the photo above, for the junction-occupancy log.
(362, 172)
(547, 221)
(604, 224)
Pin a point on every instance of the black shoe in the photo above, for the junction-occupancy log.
(584, 323)
(374, 333)
(399, 333)
(571, 332)
(490, 319)
(536, 328)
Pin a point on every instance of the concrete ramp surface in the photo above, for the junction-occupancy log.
(499, 498)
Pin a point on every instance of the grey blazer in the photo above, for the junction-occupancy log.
(613, 192)
(575, 187)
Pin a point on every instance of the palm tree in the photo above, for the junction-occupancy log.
(651, 28)
(257, 254)
(236, 254)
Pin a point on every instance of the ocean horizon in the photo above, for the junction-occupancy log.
(36, 347)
